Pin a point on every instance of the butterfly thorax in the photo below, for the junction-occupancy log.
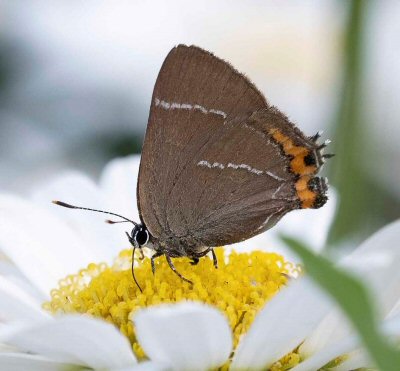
(177, 246)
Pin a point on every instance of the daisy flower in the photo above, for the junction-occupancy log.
(247, 314)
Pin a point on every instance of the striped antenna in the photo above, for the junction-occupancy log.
(63, 204)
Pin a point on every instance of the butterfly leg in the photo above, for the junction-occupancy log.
(215, 260)
(172, 266)
(156, 255)
(195, 259)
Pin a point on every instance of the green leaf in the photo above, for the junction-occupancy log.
(365, 204)
(355, 301)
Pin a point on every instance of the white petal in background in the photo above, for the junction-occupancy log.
(76, 340)
(10, 271)
(357, 358)
(17, 305)
(116, 192)
(281, 325)
(322, 358)
(118, 183)
(185, 336)
(101, 239)
(376, 261)
(42, 247)
(27, 362)
(395, 310)
(146, 366)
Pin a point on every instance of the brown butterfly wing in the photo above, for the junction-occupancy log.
(192, 76)
(211, 171)
(235, 187)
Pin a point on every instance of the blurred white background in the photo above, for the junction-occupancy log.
(76, 77)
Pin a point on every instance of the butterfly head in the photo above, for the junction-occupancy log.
(139, 236)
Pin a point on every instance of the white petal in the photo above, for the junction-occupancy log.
(281, 325)
(25, 362)
(146, 366)
(376, 262)
(385, 239)
(100, 239)
(356, 360)
(79, 340)
(42, 247)
(391, 327)
(17, 305)
(322, 358)
(377, 258)
(395, 310)
(118, 181)
(296, 224)
(186, 336)
(8, 329)
(333, 327)
(9, 271)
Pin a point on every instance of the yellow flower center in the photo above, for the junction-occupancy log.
(240, 287)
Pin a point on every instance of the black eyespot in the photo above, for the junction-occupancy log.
(314, 184)
(309, 160)
(142, 236)
(318, 185)
(320, 201)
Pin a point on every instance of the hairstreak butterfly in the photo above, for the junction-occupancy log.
(219, 163)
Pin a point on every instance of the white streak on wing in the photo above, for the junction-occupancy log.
(162, 103)
(269, 141)
(277, 190)
(274, 176)
(217, 164)
(218, 112)
(187, 106)
(175, 105)
(210, 166)
(201, 108)
(246, 167)
(230, 165)
(265, 222)
(269, 217)
(238, 166)
(204, 163)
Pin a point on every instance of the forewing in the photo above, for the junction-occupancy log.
(194, 95)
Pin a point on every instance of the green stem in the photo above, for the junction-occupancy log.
(349, 143)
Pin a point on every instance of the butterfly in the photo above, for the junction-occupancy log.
(219, 163)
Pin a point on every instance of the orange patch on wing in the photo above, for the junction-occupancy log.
(298, 167)
(307, 198)
(302, 183)
(297, 164)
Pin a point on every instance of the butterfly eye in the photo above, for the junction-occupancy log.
(141, 236)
